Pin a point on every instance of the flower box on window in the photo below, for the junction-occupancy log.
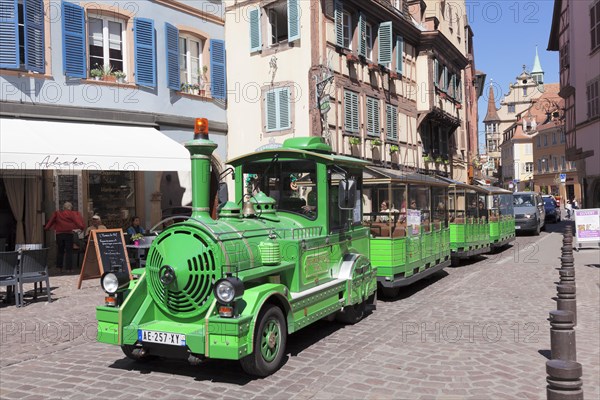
(443, 95)
(351, 58)
(373, 67)
(354, 141)
(393, 149)
(375, 142)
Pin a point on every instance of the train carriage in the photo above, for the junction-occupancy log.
(290, 250)
(501, 219)
(410, 237)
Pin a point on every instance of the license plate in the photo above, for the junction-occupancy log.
(517, 227)
(174, 339)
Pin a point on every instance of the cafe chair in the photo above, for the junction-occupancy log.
(34, 269)
(9, 263)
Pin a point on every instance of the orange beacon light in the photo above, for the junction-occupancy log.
(201, 128)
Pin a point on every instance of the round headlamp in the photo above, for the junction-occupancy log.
(112, 282)
(228, 289)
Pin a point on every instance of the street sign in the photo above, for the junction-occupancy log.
(563, 178)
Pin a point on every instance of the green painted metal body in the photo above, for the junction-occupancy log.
(470, 235)
(398, 258)
(315, 272)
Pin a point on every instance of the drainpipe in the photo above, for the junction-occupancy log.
(200, 150)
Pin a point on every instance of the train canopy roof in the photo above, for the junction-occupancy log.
(313, 148)
(374, 175)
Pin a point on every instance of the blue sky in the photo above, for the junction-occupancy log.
(505, 36)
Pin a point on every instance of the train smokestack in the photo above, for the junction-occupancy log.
(201, 148)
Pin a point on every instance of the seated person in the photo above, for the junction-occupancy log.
(96, 224)
(311, 202)
(384, 210)
(135, 227)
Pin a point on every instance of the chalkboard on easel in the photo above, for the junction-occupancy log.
(105, 252)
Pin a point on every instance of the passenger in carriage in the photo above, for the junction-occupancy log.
(482, 211)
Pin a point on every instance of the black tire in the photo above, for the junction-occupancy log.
(536, 232)
(352, 314)
(128, 351)
(270, 338)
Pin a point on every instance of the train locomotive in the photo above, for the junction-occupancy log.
(296, 245)
(235, 287)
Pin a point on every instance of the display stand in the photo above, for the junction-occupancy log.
(587, 228)
(105, 252)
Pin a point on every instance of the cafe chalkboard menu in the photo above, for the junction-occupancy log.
(68, 190)
(105, 252)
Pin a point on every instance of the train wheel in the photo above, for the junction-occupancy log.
(390, 292)
(136, 353)
(352, 314)
(270, 339)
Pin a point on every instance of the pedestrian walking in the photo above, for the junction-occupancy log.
(575, 204)
(64, 223)
(568, 207)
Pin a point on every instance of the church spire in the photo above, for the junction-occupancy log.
(492, 113)
(537, 72)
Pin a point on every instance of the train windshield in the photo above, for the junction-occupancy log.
(293, 184)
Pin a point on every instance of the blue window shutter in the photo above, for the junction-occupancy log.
(255, 35)
(271, 111)
(284, 108)
(392, 122)
(218, 73)
(9, 34)
(362, 35)
(445, 79)
(172, 44)
(385, 43)
(373, 124)
(293, 20)
(351, 111)
(338, 16)
(436, 72)
(34, 35)
(74, 54)
(399, 54)
(145, 57)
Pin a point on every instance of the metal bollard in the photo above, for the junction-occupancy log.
(567, 276)
(564, 380)
(562, 336)
(566, 300)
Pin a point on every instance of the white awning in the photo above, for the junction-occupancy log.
(37, 144)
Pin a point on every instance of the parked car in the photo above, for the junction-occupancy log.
(552, 208)
(530, 214)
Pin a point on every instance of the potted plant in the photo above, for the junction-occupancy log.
(427, 158)
(120, 75)
(393, 149)
(375, 142)
(96, 73)
(353, 140)
(107, 73)
(439, 160)
(135, 239)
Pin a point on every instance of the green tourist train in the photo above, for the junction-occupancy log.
(309, 235)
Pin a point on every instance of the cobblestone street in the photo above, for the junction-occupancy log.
(477, 331)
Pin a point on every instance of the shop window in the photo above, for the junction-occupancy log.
(112, 197)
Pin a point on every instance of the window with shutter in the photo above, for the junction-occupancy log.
(399, 54)
(172, 45)
(218, 78)
(277, 110)
(279, 22)
(74, 54)
(351, 111)
(436, 73)
(391, 122)
(22, 43)
(293, 20)
(362, 35)
(338, 17)
(255, 35)
(373, 124)
(145, 66)
(385, 43)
